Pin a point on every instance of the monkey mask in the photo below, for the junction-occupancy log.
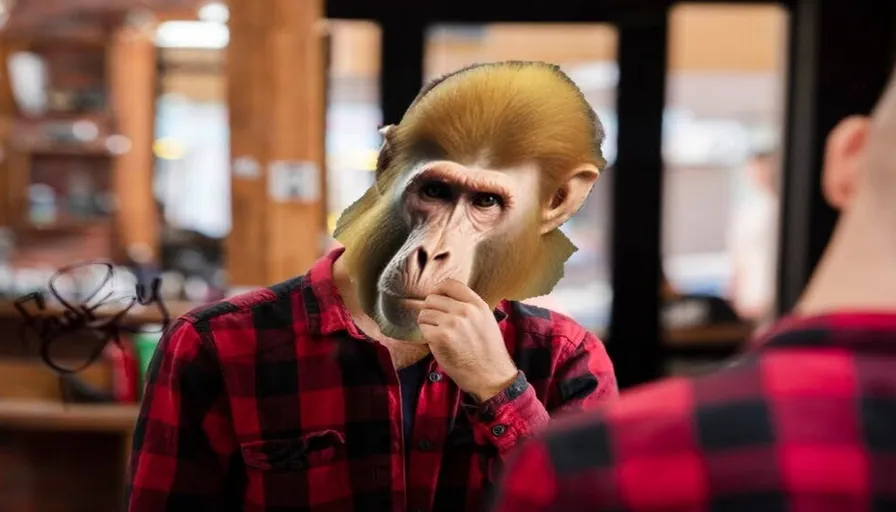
(472, 184)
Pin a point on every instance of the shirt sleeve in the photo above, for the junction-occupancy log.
(583, 379)
(183, 441)
(529, 483)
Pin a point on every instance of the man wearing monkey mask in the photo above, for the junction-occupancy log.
(399, 372)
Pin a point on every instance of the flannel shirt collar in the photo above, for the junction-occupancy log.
(854, 330)
(326, 311)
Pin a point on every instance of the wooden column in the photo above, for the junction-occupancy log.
(132, 83)
(276, 98)
(7, 112)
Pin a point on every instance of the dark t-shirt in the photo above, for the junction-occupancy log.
(410, 378)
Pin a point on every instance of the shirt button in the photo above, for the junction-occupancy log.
(498, 430)
(435, 377)
(424, 445)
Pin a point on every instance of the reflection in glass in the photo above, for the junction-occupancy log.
(192, 151)
(722, 136)
(587, 53)
(353, 113)
(192, 161)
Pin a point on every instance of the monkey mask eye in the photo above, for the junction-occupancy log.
(485, 200)
(436, 190)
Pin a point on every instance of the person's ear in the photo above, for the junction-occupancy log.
(843, 160)
(569, 197)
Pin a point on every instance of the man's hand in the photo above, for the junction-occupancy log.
(466, 341)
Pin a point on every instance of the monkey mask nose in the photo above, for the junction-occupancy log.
(425, 260)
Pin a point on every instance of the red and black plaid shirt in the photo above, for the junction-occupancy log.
(275, 401)
(805, 422)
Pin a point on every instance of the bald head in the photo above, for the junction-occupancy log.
(860, 157)
(886, 106)
(856, 272)
(882, 134)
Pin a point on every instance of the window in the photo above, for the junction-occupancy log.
(353, 113)
(721, 155)
(192, 146)
(587, 53)
(192, 157)
(723, 126)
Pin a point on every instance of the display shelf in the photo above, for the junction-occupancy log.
(137, 315)
(54, 416)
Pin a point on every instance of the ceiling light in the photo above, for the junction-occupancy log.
(214, 12)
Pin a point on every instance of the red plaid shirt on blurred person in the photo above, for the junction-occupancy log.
(806, 422)
(275, 401)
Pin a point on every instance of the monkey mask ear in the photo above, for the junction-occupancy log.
(569, 197)
(385, 155)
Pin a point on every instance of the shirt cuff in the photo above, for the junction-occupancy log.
(508, 417)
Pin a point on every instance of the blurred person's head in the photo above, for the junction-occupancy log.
(858, 270)
(859, 167)
(762, 170)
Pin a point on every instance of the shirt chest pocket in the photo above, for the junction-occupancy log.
(313, 450)
(297, 472)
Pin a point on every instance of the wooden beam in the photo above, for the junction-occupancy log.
(132, 83)
(7, 111)
(725, 38)
(635, 334)
(249, 110)
(30, 14)
(276, 99)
